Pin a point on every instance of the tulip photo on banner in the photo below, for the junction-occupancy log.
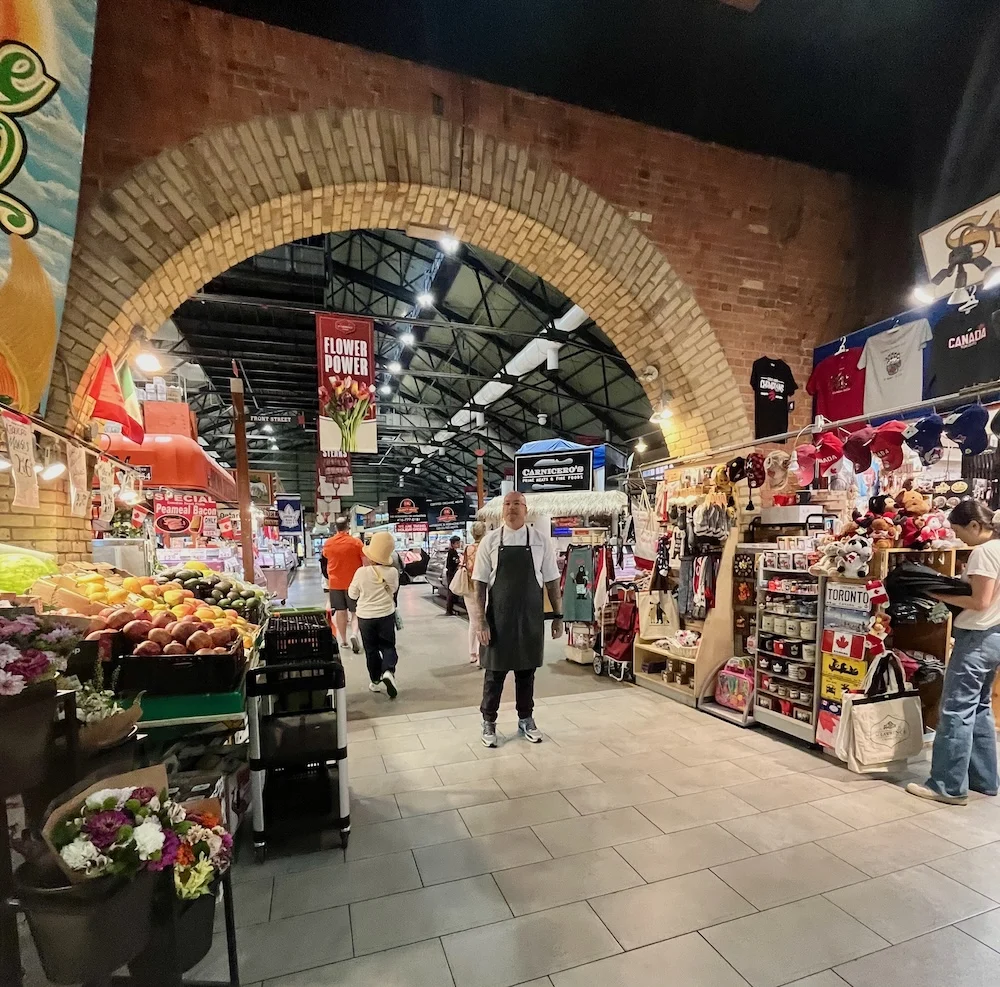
(345, 359)
(45, 54)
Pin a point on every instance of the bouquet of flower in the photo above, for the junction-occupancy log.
(205, 848)
(346, 401)
(33, 649)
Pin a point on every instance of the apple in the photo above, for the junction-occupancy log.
(119, 619)
(161, 636)
(181, 630)
(205, 651)
(137, 630)
(163, 619)
(147, 649)
(97, 624)
(199, 641)
(222, 636)
(99, 635)
(175, 648)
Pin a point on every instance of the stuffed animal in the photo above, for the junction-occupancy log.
(883, 533)
(882, 505)
(855, 554)
(829, 556)
(913, 502)
(910, 531)
(936, 532)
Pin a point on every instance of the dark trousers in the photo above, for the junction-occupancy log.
(524, 693)
(449, 608)
(378, 635)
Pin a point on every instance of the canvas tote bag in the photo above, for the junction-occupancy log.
(647, 531)
(461, 582)
(881, 726)
(657, 615)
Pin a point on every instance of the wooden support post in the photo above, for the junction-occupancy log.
(242, 475)
(480, 486)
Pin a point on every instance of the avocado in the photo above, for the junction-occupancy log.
(238, 605)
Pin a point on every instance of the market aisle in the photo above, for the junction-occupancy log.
(642, 836)
(434, 672)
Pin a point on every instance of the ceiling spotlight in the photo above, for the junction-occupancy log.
(268, 428)
(408, 339)
(54, 469)
(661, 415)
(39, 467)
(394, 366)
(129, 497)
(385, 389)
(274, 447)
(148, 362)
(449, 244)
(4, 464)
(641, 446)
(992, 279)
(425, 300)
(922, 295)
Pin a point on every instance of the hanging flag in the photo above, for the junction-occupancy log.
(133, 428)
(109, 403)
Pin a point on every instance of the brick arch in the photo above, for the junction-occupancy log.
(194, 211)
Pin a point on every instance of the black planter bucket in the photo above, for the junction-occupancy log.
(181, 936)
(85, 931)
(25, 726)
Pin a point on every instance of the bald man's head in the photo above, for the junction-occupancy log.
(515, 510)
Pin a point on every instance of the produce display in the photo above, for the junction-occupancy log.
(20, 569)
(215, 589)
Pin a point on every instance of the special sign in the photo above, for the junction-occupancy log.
(184, 513)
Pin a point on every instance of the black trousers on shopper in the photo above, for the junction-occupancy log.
(378, 635)
(524, 693)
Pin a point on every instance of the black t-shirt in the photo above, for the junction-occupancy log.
(965, 350)
(773, 384)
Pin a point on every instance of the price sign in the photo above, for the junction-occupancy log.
(106, 481)
(21, 453)
(79, 481)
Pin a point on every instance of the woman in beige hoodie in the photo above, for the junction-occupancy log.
(374, 587)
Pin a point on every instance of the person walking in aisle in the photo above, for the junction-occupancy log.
(965, 745)
(344, 556)
(475, 620)
(374, 586)
(452, 562)
(513, 564)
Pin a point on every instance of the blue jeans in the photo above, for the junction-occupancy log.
(965, 748)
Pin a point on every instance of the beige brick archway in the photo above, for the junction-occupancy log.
(194, 211)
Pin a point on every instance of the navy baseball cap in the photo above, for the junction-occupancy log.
(967, 429)
(924, 438)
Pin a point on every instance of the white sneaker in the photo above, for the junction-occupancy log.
(390, 684)
(374, 686)
(527, 729)
(923, 792)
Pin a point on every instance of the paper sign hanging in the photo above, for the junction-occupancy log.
(21, 453)
(106, 480)
(79, 481)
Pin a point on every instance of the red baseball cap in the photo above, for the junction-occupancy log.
(857, 448)
(805, 459)
(829, 452)
(888, 444)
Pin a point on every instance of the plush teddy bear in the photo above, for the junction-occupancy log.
(883, 533)
(913, 502)
(936, 532)
(829, 556)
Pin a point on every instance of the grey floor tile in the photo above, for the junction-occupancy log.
(910, 903)
(786, 827)
(437, 714)
(251, 904)
(481, 855)
(406, 834)
(763, 742)
(825, 979)
(679, 853)
(765, 766)
(373, 809)
(684, 780)
(687, 961)
(644, 744)
(776, 793)
(985, 928)
(775, 947)
(477, 769)
(285, 946)
(395, 782)
(788, 875)
(538, 886)
(874, 806)
(946, 956)
(845, 779)
(800, 759)
(457, 796)
(341, 884)
(632, 790)
(428, 758)
(978, 869)
(531, 810)
(688, 811)
(546, 780)
(382, 923)
(245, 869)
(600, 829)
(892, 846)
(669, 908)
(421, 965)
(529, 947)
(359, 767)
(357, 734)
(720, 750)
(411, 728)
(392, 745)
(616, 768)
(969, 826)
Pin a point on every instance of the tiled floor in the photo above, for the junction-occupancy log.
(718, 856)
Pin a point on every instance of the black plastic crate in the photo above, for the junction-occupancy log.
(179, 675)
(294, 636)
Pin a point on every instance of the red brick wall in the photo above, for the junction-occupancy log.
(774, 251)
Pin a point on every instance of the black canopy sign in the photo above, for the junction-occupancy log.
(407, 509)
(554, 472)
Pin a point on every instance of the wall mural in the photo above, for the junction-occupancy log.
(45, 56)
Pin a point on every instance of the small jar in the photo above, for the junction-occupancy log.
(767, 622)
(792, 627)
(807, 630)
(809, 652)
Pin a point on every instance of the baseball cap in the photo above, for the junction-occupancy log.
(736, 469)
(776, 467)
(967, 429)
(857, 448)
(755, 470)
(805, 456)
(888, 444)
(924, 438)
(829, 452)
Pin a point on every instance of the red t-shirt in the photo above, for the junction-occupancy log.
(839, 387)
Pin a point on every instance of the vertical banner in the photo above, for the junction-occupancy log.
(79, 481)
(289, 508)
(106, 483)
(345, 358)
(334, 477)
(21, 453)
(45, 54)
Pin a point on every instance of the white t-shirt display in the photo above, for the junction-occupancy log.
(984, 560)
(894, 366)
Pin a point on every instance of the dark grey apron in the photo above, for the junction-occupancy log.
(515, 612)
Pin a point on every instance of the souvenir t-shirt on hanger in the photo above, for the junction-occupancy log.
(838, 384)
(966, 349)
(773, 384)
(894, 366)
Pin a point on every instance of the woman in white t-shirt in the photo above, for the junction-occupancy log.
(965, 747)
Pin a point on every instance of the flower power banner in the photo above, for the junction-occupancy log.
(345, 359)
(45, 56)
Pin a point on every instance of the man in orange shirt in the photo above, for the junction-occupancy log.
(344, 556)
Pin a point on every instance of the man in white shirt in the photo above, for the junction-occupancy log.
(513, 564)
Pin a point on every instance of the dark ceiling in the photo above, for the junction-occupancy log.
(899, 91)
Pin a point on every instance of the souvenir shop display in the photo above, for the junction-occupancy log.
(618, 626)
(586, 574)
(837, 384)
(773, 386)
(965, 348)
(893, 366)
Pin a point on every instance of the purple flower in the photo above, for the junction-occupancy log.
(143, 795)
(20, 625)
(102, 827)
(59, 633)
(171, 843)
(30, 665)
